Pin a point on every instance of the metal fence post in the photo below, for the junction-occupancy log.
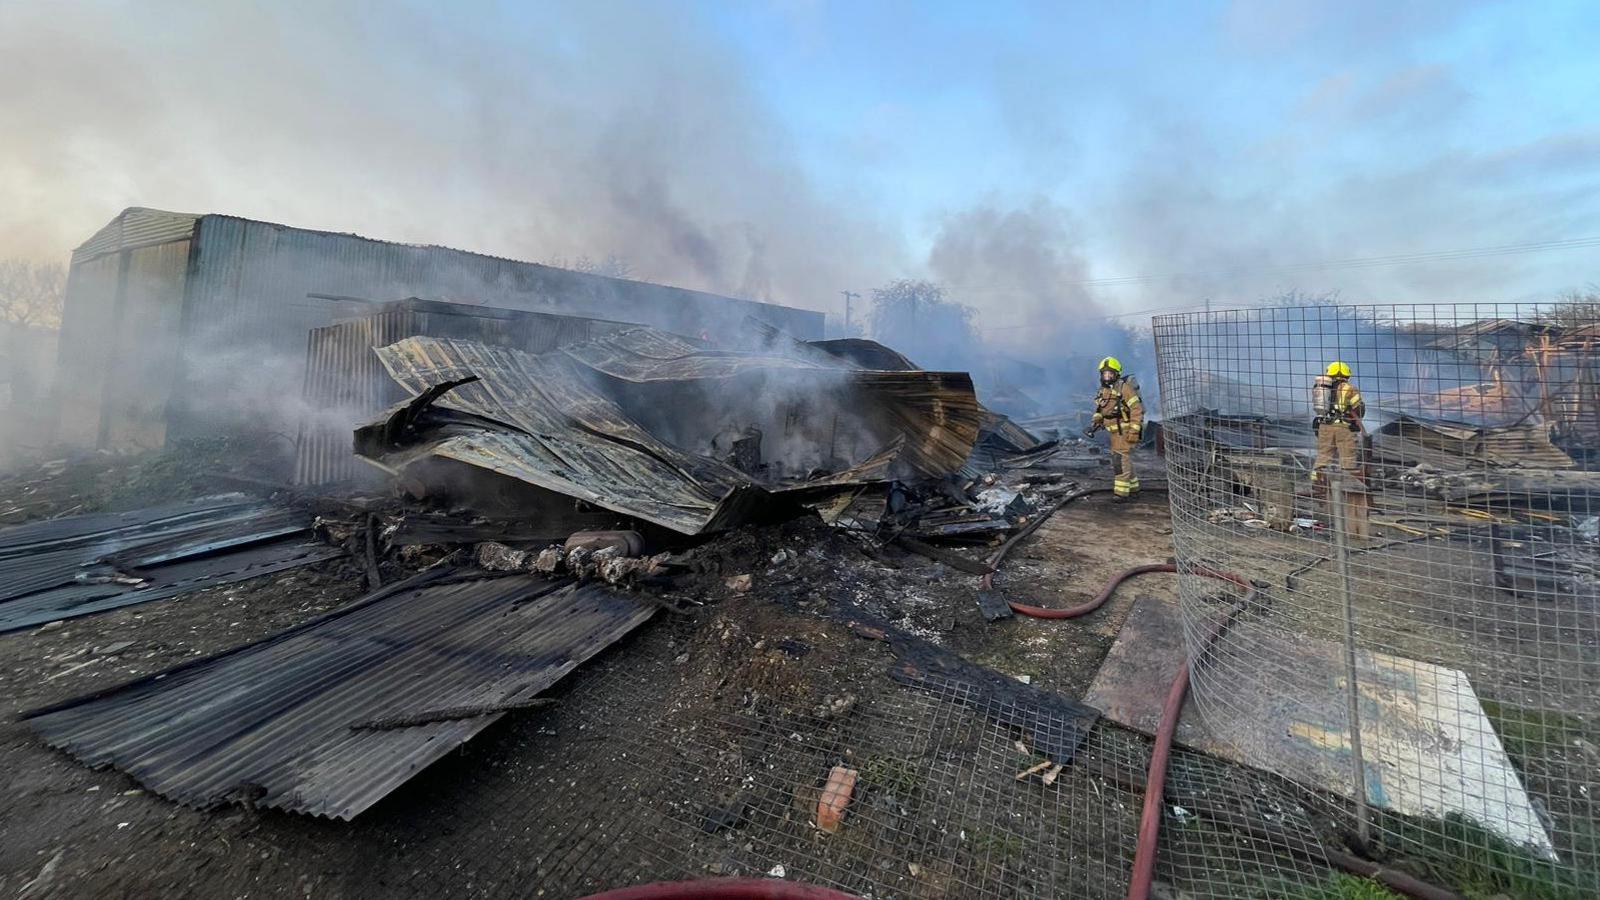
(1341, 542)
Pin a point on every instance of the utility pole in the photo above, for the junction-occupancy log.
(848, 296)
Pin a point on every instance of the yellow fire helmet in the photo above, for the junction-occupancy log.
(1112, 363)
(1337, 369)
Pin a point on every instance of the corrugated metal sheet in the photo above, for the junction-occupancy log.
(118, 349)
(347, 385)
(143, 362)
(249, 285)
(88, 337)
(936, 414)
(867, 354)
(538, 420)
(245, 303)
(548, 420)
(277, 722)
(1460, 447)
(136, 227)
(63, 568)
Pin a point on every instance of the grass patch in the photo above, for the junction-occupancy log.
(895, 774)
(993, 844)
(1463, 855)
(1337, 886)
(1527, 734)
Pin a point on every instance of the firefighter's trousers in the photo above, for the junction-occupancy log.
(1123, 482)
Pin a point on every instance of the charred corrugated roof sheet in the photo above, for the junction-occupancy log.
(937, 413)
(287, 722)
(555, 421)
(78, 565)
(536, 419)
(1458, 446)
(867, 354)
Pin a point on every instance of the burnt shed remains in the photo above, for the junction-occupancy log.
(180, 325)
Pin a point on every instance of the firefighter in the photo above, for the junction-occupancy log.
(1119, 411)
(1338, 410)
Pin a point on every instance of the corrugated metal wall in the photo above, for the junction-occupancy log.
(238, 292)
(118, 347)
(247, 311)
(136, 227)
(345, 385)
(143, 362)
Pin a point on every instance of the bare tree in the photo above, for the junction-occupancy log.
(1576, 308)
(31, 293)
(917, 318)
(1298, 297)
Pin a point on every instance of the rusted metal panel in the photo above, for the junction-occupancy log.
(278, 722)
(936, 414)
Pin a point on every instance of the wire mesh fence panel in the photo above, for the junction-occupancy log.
(693, 755)
(1413, 492)
(734, 783)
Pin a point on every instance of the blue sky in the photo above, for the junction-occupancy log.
(789, 150)
(1454, 125)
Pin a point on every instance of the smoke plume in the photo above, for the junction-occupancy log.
(585, 130)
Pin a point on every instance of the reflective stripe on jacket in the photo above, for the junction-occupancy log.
(1118, 402)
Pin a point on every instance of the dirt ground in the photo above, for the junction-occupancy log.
(690, 748)
(71, 831)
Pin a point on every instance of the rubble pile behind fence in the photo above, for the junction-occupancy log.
(1423, 648)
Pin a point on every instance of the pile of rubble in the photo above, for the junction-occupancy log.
(544, 504)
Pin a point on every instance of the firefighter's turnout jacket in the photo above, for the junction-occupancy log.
(1339, 409)
(1119, 410)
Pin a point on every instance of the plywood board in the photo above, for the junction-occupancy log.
(1278, 701)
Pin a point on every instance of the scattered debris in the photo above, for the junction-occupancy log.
(78, 565)
(624, 543)
(617, 442)
(40, 884)
(1033, 769)
(835, 797)
(723, 818)
(442, 650)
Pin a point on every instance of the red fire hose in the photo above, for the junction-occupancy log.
(1144, 859)
(724, 889)
(1083, 609)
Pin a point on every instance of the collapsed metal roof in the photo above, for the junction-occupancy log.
(62, 568)
(330, 716)
(936, 412)
(1457, 447)
(533, 418)
(558, 420)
